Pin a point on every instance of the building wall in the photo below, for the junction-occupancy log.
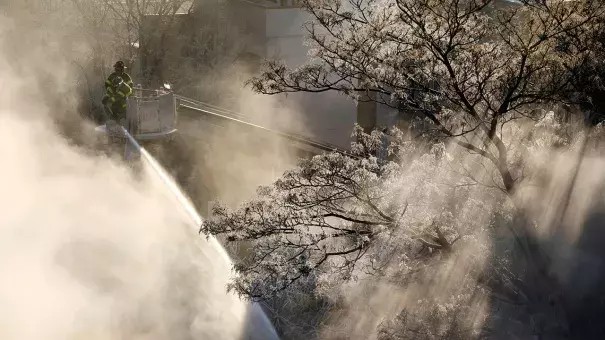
(327, 116)
(249, 17)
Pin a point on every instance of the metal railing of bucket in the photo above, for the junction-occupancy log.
(151, 114)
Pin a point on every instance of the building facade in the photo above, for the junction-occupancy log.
(274, 29)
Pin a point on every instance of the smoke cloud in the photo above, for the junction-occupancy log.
(568, 228)
(90, 249)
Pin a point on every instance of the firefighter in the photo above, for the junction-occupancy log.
(116, 96)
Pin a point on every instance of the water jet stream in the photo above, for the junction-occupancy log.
(196, 219)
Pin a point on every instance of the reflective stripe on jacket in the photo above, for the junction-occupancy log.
(118, 95)
(109, 82)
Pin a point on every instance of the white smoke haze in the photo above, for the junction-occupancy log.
(237, 163)
(278, 112)
(370, 307)
(88, 250)
(235, 158)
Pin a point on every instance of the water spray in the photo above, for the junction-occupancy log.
(187, 206)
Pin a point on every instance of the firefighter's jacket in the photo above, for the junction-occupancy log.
(125, 76)
(117, 95)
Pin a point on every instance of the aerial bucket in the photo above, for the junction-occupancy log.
(151, 115)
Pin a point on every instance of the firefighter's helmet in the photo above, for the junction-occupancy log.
(119, 65)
